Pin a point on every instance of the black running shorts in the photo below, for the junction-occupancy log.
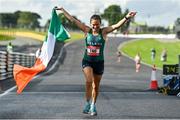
(98, 67)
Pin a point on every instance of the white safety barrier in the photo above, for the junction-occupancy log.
(7, 61)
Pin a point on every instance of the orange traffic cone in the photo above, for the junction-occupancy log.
(154, 83)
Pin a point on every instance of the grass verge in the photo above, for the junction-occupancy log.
(144, 47)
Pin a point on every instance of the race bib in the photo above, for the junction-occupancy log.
(93, 50)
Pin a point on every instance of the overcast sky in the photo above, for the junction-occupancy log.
(154, 12)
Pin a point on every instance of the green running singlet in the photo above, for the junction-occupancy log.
(94, 51)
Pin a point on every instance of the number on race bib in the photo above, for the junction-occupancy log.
(93, 50)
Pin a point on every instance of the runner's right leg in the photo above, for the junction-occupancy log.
(95, 92)
(88, 73)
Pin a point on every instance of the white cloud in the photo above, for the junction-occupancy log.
(156, 12)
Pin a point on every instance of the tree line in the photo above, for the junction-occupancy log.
(30, 20)
(20, 19)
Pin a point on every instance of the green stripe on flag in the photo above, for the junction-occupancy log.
(57, 29)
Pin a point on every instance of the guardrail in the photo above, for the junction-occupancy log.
(7, 61)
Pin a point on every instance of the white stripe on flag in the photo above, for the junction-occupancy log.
(47, 49)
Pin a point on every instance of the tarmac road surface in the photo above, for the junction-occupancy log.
(123, 92)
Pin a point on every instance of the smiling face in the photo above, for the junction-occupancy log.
(95, 24)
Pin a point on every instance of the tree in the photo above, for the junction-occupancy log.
(47, 25)
(177, 27)
(126, 26)
(113, 14)
(20, 19)
(28, 20)
(35, 22)
(7, 20)
(68, 23)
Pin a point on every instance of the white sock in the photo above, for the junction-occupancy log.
(92, 103)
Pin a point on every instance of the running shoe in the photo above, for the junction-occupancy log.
(86, 108)
(93, 110)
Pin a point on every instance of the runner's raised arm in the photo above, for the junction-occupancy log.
(81, 25)
(119, 24)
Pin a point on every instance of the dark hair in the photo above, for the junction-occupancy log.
(95, 17)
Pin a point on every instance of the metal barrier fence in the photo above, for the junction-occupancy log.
(7, 61)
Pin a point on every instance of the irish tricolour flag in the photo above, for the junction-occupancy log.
(56, 32)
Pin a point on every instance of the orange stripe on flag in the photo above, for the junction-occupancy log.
(23, 75)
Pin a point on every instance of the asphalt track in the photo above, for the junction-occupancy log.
(123, 92)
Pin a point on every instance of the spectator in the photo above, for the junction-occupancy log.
(9, 47)
(119, 54)
(164, 55)
(137, 60)
(153, 54)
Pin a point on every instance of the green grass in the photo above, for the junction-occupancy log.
(6, 37)
(144, 48)
(74, 35)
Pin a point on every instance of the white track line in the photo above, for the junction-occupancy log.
(7, 91)
(11, 89)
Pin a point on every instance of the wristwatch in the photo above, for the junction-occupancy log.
(126, 18)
